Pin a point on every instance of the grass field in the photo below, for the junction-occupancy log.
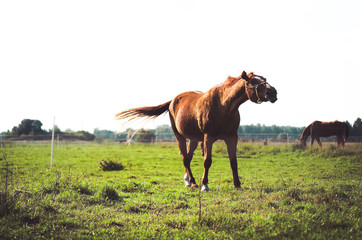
(287, 193)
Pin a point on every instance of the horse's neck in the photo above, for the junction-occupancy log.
(233, 96)
(306, 133)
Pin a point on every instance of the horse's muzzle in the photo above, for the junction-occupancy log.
(271, 95)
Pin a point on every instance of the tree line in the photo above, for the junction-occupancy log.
(33, 128)
(356, 128)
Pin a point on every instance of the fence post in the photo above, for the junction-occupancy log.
(51, 154)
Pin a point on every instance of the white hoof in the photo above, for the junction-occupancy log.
(205, 188)
(187, 181)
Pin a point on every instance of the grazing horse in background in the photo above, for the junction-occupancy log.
(207, 117)
(319, 129)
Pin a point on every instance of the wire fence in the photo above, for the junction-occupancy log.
(159, 138)
(250, 137)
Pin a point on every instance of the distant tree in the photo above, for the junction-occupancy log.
(262, 129)
(28, 127)
(164, 133)
(282, 137)
(14, 131)
(85, 136)
(164, 129)
(145, 136)
(357, 127)
(68, 130)
(104, 134)
(240, 130)
(122, 136)
(56, 130)
(350, 128)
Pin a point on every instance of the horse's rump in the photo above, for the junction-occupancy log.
(185, 113)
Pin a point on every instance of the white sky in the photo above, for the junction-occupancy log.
(85, 61)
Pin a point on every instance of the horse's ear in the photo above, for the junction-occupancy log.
(251, 75)
(244, 76)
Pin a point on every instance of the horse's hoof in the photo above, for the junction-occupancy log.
(194, 185)
(187, 181)
(205, 188)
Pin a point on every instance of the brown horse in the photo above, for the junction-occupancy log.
(207, 117)
(319, 129)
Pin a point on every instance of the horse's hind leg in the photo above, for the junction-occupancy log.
(186, 159)
(189, 179)
(207, 162)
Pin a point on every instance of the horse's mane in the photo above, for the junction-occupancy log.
(231, 80)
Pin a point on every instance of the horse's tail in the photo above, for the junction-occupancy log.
(147, 112)
(346, 132)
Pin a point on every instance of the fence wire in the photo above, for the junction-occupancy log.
(161, 137)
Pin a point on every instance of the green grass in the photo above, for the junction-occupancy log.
(286, 193)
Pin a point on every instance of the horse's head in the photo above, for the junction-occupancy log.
(257, 88)
(303, 142)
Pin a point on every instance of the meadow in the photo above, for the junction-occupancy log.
(113, 191)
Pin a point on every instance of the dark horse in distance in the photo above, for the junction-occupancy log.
(207, 117)
(319, 129)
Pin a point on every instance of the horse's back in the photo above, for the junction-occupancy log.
(184, 101)
(327, 129)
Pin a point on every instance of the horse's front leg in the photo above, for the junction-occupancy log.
(208, 141)
(319, 141)
(340, 141)
(231, 143)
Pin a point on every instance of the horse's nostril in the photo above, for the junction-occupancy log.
(271, 92)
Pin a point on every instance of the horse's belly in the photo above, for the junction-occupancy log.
(188, 127)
